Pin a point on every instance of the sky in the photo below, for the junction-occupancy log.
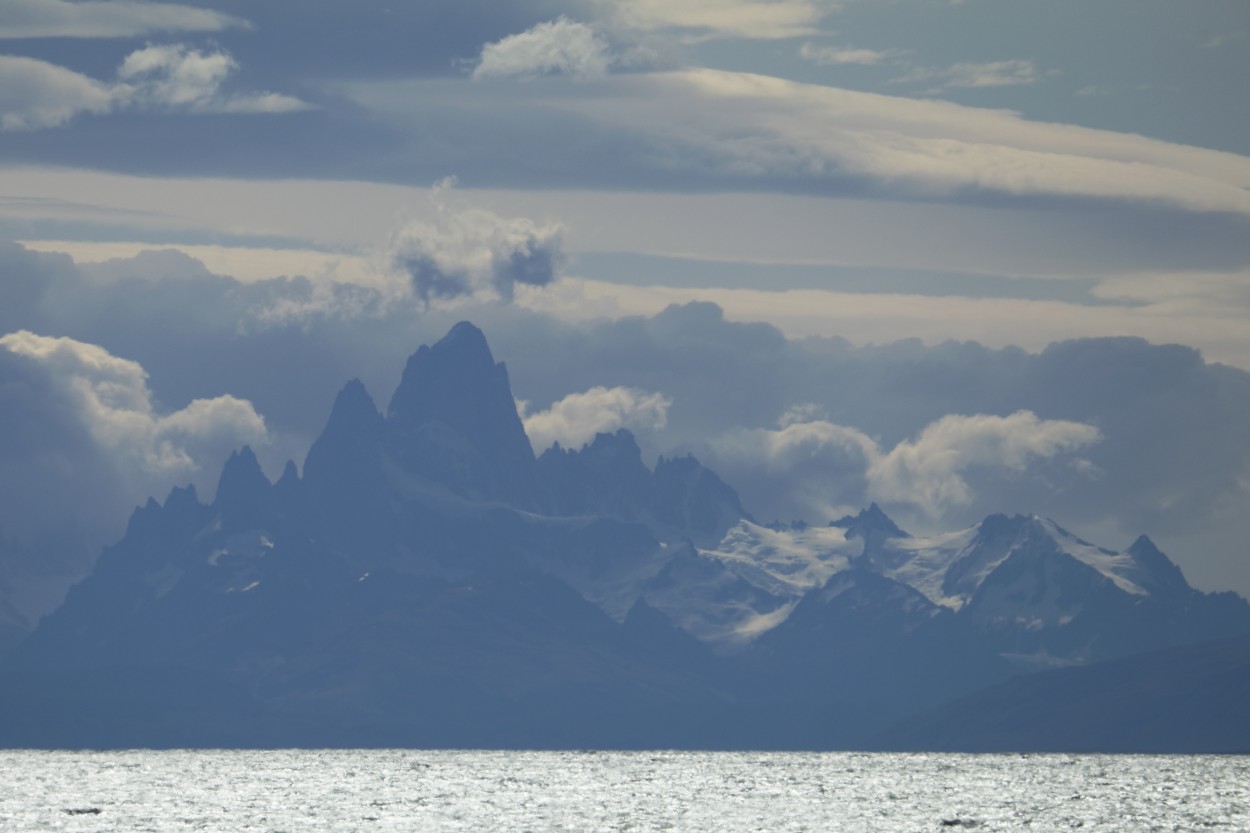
(955, 256)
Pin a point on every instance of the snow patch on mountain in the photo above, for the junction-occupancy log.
(925, 561)
(949, 567)
(785, 562)
(1117, 566)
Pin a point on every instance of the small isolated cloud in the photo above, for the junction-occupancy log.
(1013, 73)
(559, 47)
(36, 94)
(841, 56)
(471, 252)
(817, 469)
(994, 74)
(807, 412)
(1224, 39)
(176, 76)
(575, 419)
(110, 396)
(701, 19)
(105, 19)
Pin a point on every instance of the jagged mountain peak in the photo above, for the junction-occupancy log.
(619, 444)
(679, 498)
(869, 522)
(440, 379)
(620, 440)
(619, 450)
(342, 471)
(353, 405)
(1038, 530)
(181, 497)
(1155, 571)
(353, 430)
(1000, 531)
(453, 421)
(1000, 524)
(690, 496)
(455, 389)
(242, 478)
(465, 339)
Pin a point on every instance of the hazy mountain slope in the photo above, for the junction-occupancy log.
(1181, 700)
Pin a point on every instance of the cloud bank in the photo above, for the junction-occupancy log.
(935, 148)
(730, 131)
(805, 428)
(111, 397)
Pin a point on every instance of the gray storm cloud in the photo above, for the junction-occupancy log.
(472, 252)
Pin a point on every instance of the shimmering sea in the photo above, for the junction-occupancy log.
(407, 790)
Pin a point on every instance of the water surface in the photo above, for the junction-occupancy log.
(406, 790)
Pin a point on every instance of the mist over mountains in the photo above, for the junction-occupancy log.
(426, 579)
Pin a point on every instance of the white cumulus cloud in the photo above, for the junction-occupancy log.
(178, 76)
(105, 19)
(575, 419)
(558, 47)
(111, 397)
(819, 469)
(928, 472)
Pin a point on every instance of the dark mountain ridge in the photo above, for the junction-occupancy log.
(429, 581)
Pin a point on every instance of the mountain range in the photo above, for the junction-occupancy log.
(427, 580)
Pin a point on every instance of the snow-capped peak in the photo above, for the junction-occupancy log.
(948, 568)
